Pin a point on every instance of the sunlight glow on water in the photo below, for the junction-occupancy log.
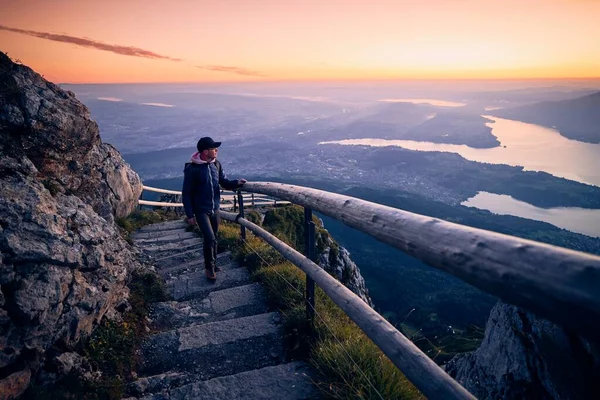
(580, 220)
(115, 99)
(438, 103)
(158, 104)
(534, 147)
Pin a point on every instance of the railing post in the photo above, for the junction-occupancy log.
(141, 198)
(241, 203)
(309, 252)
(234, 203)
(253, 200)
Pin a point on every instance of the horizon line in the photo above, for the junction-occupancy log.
(597, 78)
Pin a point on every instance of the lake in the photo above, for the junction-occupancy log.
(579, 220)
(534, 147)
(437, 103)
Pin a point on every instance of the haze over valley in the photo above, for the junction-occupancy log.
(443, 154)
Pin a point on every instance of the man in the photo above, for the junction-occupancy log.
(201, 197)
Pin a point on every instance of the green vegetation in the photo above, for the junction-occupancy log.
(350, 365)
(112, 347)
(287, 223)
(253, 216)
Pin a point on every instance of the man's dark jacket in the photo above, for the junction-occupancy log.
(201, 193)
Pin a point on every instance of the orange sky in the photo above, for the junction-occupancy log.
(237, 40)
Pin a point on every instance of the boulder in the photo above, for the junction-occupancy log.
(63, 264)
(527, 357)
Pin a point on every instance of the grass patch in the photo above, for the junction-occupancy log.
(112, 346)
(350, 365)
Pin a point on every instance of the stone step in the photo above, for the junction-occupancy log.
(174, 236)
(216, 348)
(235, 302)
(291, 381)
(173, 248)
(162, 226)
(197, 266)
(194, 254)
(167, 270)
(156, 384)
(156, 234)
(195, 284)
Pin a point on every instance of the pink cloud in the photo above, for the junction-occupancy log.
(233, 70)
(84, 42)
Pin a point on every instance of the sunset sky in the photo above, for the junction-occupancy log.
(240, 40)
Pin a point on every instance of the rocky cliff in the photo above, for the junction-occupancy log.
(525, 357)
(63, 264)
(336, 260)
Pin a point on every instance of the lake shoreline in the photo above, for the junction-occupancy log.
(574, 219)
(533, 147)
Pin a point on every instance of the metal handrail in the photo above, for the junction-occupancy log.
(555, 283)
(435, 383)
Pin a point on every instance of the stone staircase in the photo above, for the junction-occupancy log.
(215, 340)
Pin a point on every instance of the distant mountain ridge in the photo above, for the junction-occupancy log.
(577, 119)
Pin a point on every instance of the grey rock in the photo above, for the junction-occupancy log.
(69, 361)
(526, 357)
(14, 385)
(44, 124)
(156, 383)
(63, 264)
(336, 260)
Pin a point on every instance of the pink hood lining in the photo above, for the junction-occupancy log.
(197, 160)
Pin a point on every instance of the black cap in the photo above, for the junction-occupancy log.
(206, 143)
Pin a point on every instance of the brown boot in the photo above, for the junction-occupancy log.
(210, 274)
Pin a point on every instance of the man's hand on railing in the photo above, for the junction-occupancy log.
(241, 182)
(191, 221)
